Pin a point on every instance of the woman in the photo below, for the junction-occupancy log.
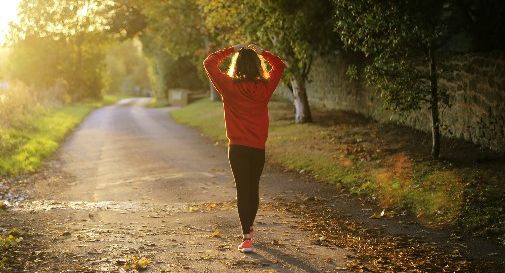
(245, 91)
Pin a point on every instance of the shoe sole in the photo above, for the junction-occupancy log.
(245, 250)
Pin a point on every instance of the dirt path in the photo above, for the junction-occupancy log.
(131, 182)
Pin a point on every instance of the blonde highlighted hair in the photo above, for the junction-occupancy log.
(246, 65)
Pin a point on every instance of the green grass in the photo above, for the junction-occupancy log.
(205, 115)
(438, 193)
(157, 103)
(24, 147)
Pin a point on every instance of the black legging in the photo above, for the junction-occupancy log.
(247, 165)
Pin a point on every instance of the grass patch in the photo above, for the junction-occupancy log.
(205, 115)
(367, 159)
(157, 103)
(37, 135)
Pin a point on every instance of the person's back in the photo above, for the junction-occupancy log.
(246, 91)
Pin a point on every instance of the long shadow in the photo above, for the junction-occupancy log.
(282, 257)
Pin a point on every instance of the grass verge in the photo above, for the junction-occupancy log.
(157, 103)
(387, 164)
(23, 147)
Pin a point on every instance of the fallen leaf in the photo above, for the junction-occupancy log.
(216, 234)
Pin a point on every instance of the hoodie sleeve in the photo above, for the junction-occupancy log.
(276, 71)
(211, 64)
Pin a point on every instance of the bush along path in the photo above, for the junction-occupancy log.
(132, 190)
(36, 134)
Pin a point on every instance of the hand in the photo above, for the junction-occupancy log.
(256, 48)
(238, 47)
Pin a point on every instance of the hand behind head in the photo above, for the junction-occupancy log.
(256, 48)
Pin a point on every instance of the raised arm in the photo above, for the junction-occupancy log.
(276, 71)
(211, 64)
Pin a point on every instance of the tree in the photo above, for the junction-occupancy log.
(168, 71)
(174, 39)
(297, 30)
(126, 69)
(61, 40)
(401, 40)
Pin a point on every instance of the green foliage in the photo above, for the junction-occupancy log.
(31, 127)
(352, 72)
(296, 30)
(401, 40)
(17, 102)
(127, 69)
(171, 72)
(485, 194)
(60, 19)
(126, 20)
(60, 42)
(175, 42)
(395, 36)
(174, 26)
(23, 149)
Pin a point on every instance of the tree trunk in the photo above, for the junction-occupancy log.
(78, 84)
(214, 95)
(435, 117)
(302, 107)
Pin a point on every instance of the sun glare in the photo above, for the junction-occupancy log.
(8, 13)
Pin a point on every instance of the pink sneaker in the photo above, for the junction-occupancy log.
(246, 246)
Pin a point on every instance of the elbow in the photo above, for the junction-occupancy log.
(281, 66)
(206, 62)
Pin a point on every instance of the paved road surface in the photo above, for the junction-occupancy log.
(134, 183)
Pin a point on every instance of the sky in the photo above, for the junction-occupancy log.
(7, 14)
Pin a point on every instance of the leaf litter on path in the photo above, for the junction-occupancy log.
(376, 250)
(137, 263)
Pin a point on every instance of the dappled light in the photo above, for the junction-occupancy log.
(8, 14)
(252, 136)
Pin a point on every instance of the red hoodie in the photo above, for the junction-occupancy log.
(245, 102)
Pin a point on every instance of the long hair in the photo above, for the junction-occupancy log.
(246, 65)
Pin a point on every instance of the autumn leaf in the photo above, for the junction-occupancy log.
(216, 233)
(137, 263)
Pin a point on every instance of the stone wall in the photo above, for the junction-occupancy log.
(476, 84)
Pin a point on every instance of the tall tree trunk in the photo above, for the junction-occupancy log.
(78, 84)
(302, 107)
(214, 96)
(435, 117)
